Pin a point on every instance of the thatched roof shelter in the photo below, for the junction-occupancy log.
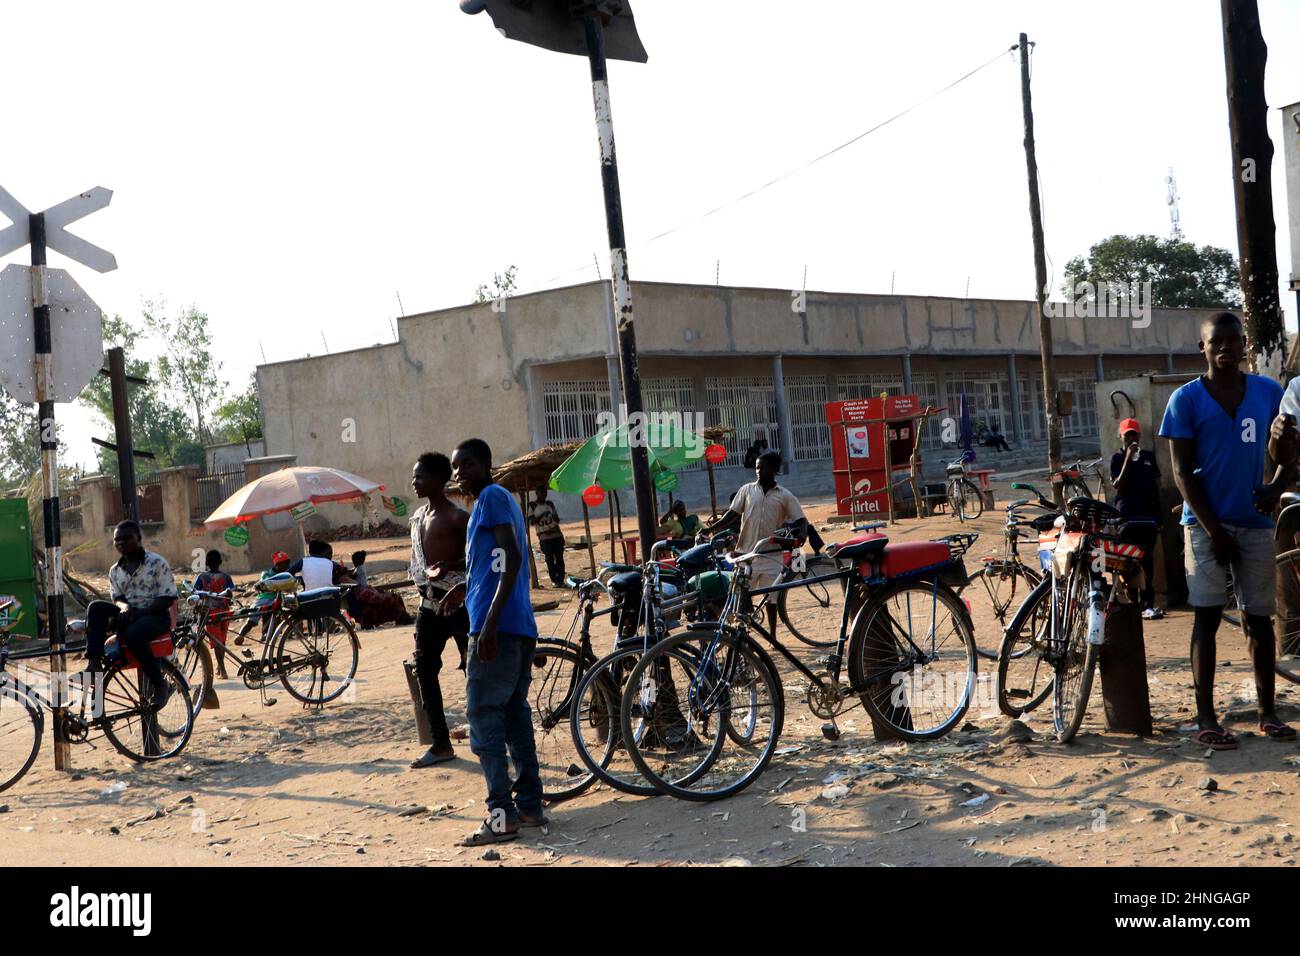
(529, 471)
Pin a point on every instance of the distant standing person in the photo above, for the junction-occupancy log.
(1218, 426)
(216, 581)
(1136, 477)
(543, 516)
(438, 570)
(503, 639)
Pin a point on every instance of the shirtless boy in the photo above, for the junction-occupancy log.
(438, 569)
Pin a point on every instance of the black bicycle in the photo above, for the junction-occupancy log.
(911, 662)
(110, 697)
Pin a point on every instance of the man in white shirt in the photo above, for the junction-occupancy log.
(317, 569)
(758, 510)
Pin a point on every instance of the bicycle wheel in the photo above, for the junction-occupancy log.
(965, 498)
(557, 669)
(194, 661)
(595, 727)
(316, 662)
(21, 725)
(912, 659)
(1287, 665)
(691, 758)
(1024, 675)
(992, 595)
(812, 612)
(1075, 663)
(135, 729)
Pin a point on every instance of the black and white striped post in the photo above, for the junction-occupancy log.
(619, 279)
(44, 374)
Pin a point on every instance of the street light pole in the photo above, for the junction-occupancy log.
(622, 286)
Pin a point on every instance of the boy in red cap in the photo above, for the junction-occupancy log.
(1136, 478)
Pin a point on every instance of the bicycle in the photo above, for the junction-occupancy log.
(108, 697)
(1074, 485)
(575, 694)
(994, 588)
(308, 635)
(964, 496)
(731, 690)
(1063, 620)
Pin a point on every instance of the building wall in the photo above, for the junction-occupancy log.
(474, 371)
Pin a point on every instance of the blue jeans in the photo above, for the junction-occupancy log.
(496, 703)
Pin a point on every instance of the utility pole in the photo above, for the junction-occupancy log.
(1051, 396)
(1244, 53)
(122, 433)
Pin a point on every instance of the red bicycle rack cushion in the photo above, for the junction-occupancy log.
(908, 556)
(161, 646)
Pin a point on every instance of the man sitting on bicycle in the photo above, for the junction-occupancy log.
(142, 591)
(759, 509)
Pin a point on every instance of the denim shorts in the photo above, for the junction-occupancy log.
(1252, 572)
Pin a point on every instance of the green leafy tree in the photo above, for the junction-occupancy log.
(1181, 274)
(239, 418)
(503, 286)
(187, 367)
(20, 447)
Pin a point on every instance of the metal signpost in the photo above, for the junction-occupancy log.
(600, 30)
(32, 369)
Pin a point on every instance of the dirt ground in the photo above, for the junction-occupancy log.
(281, 785)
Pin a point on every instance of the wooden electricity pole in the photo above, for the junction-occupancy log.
(1051, 396)
(1244, 53)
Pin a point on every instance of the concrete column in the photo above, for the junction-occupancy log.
(907, 374)
(536, 407)
(783, 415)
(1101, 368)
(1169, 362)
(1013, 387)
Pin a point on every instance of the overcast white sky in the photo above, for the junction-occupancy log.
(291, 168)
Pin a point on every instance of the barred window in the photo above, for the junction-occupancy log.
(746, 404)
(870, 385)
(570, 408)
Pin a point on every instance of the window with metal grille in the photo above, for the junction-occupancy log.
(1082, 421)
(570, 408)
(870, 385)
(746, 404)
(986, 398)
(670, 395)
(807, 395)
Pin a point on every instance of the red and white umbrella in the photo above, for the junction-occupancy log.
(288, 488)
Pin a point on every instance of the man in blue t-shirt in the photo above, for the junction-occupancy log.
(503, 639)
(1219, 426)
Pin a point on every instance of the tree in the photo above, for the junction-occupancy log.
(20, 447)
(1181, 275)
(503, 284)
(186, 368)
(158, 424)
(239, 418)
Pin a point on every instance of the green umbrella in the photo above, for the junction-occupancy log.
(605, 459)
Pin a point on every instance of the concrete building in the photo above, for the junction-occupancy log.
(539, 368)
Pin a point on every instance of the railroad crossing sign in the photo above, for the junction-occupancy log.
(56, 236)
(75, 327)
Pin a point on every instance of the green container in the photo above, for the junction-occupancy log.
(17, 576)
(712, 585)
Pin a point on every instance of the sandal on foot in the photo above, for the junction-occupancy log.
(1278, 731)
(541, 820)
(431, 757)
(1216, 739)
(485, 835)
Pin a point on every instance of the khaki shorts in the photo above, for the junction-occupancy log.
(1252, 572)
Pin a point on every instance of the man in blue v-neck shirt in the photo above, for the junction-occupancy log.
(1219, 426)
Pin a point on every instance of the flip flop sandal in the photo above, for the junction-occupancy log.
(485, 835)
(1278, 731)
(1216, 740)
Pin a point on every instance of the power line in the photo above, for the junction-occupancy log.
(784, 176)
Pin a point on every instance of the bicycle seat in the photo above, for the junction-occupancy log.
(693, 560)
(905, 558)
(626, 581)
(1290, 498)
(858, 547)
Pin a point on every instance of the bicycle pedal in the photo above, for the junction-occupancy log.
(830, 730)
(269, 702)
